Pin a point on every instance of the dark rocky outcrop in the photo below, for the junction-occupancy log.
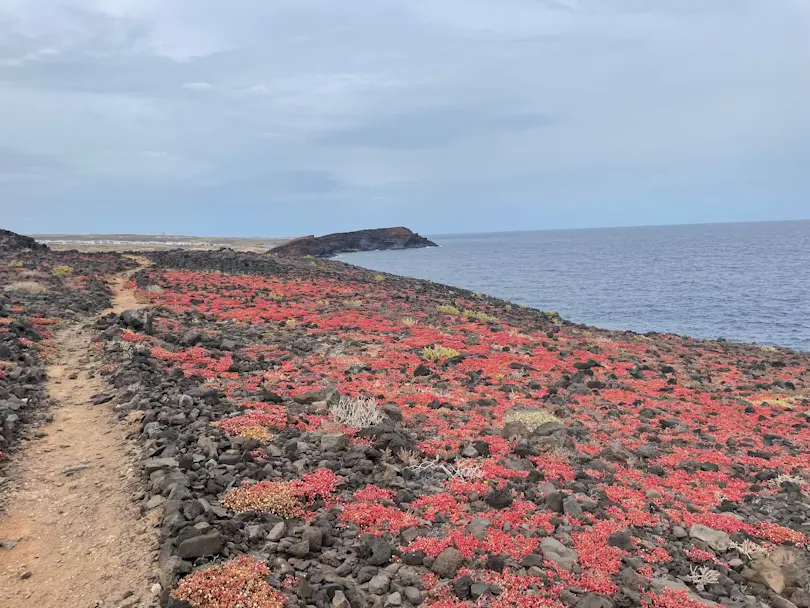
(11, 241)
(347, 242)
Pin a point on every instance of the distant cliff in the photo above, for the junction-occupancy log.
(347, 242)
(11, 241)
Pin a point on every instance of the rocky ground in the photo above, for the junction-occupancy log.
(321, 435)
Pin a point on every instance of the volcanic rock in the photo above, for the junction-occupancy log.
(447, 563)
(378, 239)
(784, 567)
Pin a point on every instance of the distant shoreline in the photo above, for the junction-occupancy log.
(154, 242)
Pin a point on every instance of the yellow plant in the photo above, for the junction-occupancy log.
(354, 303)
(255, 432)
(436, 353)
(16, 264)
(409, 321)
(62, 270)
(478, 315)
(531, 419)
(786, 402)
(290, 323)
(379, 278)
(446, 309)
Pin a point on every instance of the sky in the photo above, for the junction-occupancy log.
(281, 118)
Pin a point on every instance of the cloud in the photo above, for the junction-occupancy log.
(197, 86)
(401, 112)
(21, 166)
(434, 128)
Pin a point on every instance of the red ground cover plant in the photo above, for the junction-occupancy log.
(239, 583)
(666, 431)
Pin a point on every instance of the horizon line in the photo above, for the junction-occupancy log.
(44, 235)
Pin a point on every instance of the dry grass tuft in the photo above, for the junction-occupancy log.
(29, 287)
(356, 413)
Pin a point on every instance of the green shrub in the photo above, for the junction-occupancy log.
(436, 353)
(478, 315)
(62, 270)
(446, 309)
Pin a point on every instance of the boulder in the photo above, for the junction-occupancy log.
(559, 553)
(785, 567)
(199, 546)
(447, 563)
(716, 539)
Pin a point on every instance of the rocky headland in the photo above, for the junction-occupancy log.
(348, 242)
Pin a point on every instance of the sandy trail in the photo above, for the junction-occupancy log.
(123, 298)
(72, 535)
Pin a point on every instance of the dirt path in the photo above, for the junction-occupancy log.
(80, 539)
(123, 298)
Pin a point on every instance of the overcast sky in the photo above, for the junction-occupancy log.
(263, 117)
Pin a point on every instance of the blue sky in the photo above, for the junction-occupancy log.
(261, 117)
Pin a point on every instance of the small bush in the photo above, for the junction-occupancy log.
(437, 353)
(16, 264)
(356, 413)
(276, 497)
(30, 287)
(290, 324)
(478, 315)
(531, 419)
(32, 274)
(409, 321)
(239, 583)
(62, 270)
(446, 309)
(154, 289)
(354, 303)
(379, 278)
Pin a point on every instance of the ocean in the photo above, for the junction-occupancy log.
(746, 282)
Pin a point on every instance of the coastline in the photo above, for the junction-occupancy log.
(392, 441)
(708, 284)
